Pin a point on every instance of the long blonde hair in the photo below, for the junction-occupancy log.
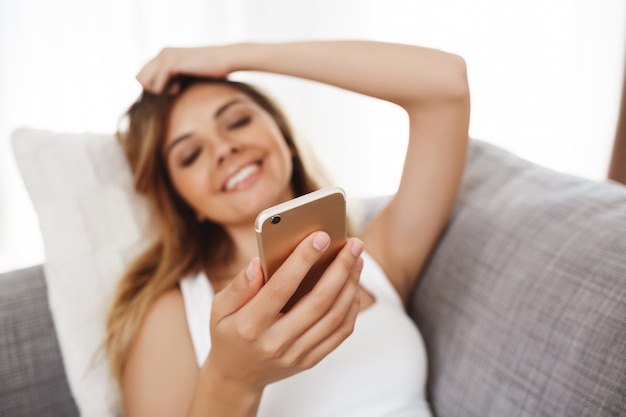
(183, 245)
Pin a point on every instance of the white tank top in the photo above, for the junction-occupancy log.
(380, 370)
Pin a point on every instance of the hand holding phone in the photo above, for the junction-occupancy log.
(282, 227)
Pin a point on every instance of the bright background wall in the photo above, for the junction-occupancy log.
(545, 77)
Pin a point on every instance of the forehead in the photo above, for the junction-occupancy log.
(198, 105)
(204, 98)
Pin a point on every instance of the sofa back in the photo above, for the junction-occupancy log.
(523, 303)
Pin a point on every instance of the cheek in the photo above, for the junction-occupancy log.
(289, 160)
(285, 152)
(289, 164)
(189, 185)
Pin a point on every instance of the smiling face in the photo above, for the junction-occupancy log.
(225, 155)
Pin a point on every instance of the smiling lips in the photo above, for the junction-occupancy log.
(238, 180)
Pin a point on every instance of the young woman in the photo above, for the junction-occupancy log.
(193, 331)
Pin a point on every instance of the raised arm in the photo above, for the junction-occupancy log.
(430, 85)
(403, 74)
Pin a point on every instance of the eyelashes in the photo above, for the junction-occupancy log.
(191, 158)
(240, 122)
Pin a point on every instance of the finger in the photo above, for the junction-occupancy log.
(144, 80)
(147, 74)
(326, 335)
(292, 349)
(240, 290)
(154, 76)
(281, 286)
(332, 342)
(322, 297)
(323, 308)
(161, 79)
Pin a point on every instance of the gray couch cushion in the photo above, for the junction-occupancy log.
(32, 379)
(523, 305)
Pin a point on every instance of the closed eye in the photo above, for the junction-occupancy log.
(190, 158)
(240, 122)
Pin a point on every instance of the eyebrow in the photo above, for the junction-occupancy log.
(217, 114)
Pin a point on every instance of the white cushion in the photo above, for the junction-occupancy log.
(92, 222)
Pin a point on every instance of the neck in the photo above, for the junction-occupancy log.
(244, 239)
(245, 248)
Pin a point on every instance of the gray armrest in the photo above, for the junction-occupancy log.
(32, 379)
(523, 304)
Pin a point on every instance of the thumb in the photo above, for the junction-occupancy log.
(241, 289)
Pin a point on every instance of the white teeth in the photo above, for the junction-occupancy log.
(241, 175)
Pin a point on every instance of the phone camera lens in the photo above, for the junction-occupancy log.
(275, 219)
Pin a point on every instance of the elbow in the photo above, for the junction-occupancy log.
(444, 81)
(457, 86)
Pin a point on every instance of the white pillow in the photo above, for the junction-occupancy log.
(92, 222)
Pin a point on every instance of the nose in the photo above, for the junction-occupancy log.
(225, 149)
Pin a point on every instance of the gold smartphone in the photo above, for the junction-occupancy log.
(279, 229)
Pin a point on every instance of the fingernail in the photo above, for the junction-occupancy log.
(250, 270)
(321, 241)
(357, 247)
(358, 265)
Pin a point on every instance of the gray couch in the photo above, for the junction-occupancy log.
(522, 305)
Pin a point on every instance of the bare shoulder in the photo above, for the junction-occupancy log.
(161, 370)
